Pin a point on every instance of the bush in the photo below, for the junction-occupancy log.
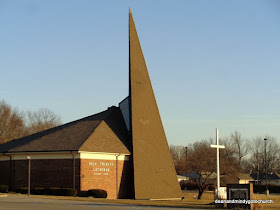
(4, 188)
(38, 191)
(97, 193)
(68, 192)
(53, 191)
(22, 190)
(271, 187)
(188, 185)
(83, 193)
(211, 187)
(259, 188)
(61, 191)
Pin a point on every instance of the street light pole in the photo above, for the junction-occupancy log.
(186, 161)
(267, 192)
(258, 174)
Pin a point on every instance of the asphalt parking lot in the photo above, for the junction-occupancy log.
(15, 202)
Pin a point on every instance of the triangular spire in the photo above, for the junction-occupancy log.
(154, 172)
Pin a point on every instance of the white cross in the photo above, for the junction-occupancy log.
(218, 160)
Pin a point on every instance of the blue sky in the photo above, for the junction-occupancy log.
(213, 64)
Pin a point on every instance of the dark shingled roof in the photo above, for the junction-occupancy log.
(262, 176)
(70, 136)
(245, 177)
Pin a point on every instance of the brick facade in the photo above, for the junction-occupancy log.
(5, 172)
(106, 175)
(114, 176)
(44, 173)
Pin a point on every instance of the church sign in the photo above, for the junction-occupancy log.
(240, 193)
(101, 168)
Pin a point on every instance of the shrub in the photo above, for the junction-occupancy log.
(22, 190)
(4, 188)
(38, 191)
(68, 192)
(188, 185)
(83, 193)
(259, 188)
(97, 193)
(211, 187)
(61, 191)
(53, 191)
(271, 187)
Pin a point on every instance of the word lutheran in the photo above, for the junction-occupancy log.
(98, 167)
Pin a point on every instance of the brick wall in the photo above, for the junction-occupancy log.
(90, 174)
(106, 175)
(44, 173)
(4, 172)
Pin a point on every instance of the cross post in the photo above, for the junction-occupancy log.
(218, 146)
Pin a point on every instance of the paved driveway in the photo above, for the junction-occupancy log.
(14, 202)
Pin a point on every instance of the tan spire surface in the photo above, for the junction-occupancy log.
(154, 172)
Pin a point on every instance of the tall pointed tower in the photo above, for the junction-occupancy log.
(154, 172)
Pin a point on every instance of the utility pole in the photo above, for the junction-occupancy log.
(217, 146)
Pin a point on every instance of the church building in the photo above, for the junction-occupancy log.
(122, 150)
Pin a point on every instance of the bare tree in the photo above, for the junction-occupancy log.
(179, 158)
(256, 162)
(241, 146)
(229, 162)
(201, 159)
(42, 119)
(273, 153)
(11, 123)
